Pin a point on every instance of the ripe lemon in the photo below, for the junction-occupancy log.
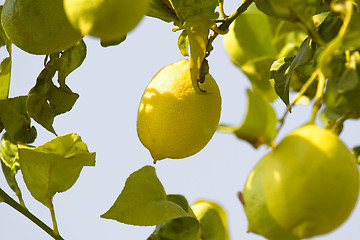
(108, 20)
(311, 182)
(173, 120)
(212, 218)
(38, 26)
(259, 219)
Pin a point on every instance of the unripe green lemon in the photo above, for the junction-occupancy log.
(311, 182)
(173, 120)
(108, 20)
(212, 218)
(38, 26)
(259, 219)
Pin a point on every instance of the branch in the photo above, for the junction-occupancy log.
(11, 202)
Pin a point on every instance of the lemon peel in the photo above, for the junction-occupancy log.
(173, 120)
(311, 182)
(108, 20)
(38, 26)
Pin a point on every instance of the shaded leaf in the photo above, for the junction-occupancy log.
(259, 126)
(185, 228)
(10, 179)
(189, 8)
(143, 201)
(343, 85)
(45, 100)
(15, 120)
(356, 151)
(282, 70)
(54, 166)
(70, 60)
(179, 200)
(162, 9)
(105, 43)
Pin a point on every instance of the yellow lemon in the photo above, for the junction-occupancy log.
(212, 218)
(108, 20)
(311, 182)
(38, 26)
(173, 120)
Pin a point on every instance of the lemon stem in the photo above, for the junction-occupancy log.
(12, 203)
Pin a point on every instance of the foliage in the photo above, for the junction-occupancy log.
(306, 49)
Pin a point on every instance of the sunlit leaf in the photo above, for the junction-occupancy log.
(5, 72)
(14, 118)
(143, 201)
(183, 43)
(54, 166)
(259, 126)
(197, 28)
(5, 65)
(9, 153)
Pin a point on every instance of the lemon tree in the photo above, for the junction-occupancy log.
(291, 52)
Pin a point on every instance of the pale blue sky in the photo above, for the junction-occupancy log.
(110, 83)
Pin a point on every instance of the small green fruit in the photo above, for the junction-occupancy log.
(259, 219)
(38, 26)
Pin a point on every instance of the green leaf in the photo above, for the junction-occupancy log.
(5, 72)
(9, 153)
(5, 65)
(54, 166)
(143, 201)
(356, 151)
(185, 228)
(10, 178)
(188, 8)
(15, 120)
(259, 126)
(162, 9)
(183, 43)
(70, 60)
(45, 100)
(105, 43)
(179, 200)
(343, 85)
(282, 70)
(197, 28)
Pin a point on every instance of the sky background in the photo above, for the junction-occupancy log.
(110, 83)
